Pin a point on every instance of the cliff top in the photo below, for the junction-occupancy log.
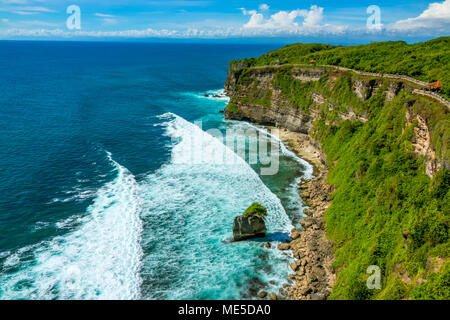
(427, 61)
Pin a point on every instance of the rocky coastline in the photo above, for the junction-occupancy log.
(314, 276)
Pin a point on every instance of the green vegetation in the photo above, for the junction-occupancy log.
(254, 95)
(382, 196)
(232, 107)
(341, 96)
(386, 211)
(427, 61)
(297, 93)
(256, 209)
(437, 286)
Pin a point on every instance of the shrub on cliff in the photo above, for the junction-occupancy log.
(436, 288)
(256, 209)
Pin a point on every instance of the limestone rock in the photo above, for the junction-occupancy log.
(247, 227)
(251, 224)
(295, 234)
(284, 246)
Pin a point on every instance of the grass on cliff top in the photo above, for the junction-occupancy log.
(256, 209)
(427, 61)
(386, 211)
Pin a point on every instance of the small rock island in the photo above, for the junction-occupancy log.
(250, 224)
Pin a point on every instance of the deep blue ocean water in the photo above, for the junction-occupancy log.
(96, 198)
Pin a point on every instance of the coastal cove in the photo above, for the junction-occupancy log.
(379, 145)
(179, 171)
(102, 183)
(311, 274)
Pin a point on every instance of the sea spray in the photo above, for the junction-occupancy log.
(188, 214)
(100, 259)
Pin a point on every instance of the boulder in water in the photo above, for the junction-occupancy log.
(251, 224)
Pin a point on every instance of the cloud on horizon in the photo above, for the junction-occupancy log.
(262, 22)
(436, 16)
(283, 20)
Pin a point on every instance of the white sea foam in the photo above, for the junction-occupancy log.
(190, 208)
(100, 259)
(238, 174)
(12, 260)
(77, 194)
(69, 222)
(4, 254)
(308, 172)
(218, 94)
(41, 225)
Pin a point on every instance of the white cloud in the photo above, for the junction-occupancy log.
(314, 17)
(4, 20)
(14, 1)
(147, 33)
(107, 19)
(260, 23)
(28, 10)
(35, 9)
(287, 21)
(264, 7)
(436, 16)
(103, 15)
(25, 13)
(110, 21)
(219, 33)
(39, 23)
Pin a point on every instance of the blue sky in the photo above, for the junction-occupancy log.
(232, 19)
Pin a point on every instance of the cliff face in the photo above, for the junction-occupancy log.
(255, 97)
(386, 171)
(278, 112)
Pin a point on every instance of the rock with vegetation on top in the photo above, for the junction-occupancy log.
(251, 224)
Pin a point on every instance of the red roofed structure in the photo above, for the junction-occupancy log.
(435, 85)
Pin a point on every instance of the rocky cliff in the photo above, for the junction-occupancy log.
(258, 96)
(262, 108)
(360, 126)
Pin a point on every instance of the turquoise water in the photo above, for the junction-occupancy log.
(98, 199)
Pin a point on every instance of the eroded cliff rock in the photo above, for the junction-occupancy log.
(422, 144)
(254, 97)
(308, 102)
(276, 108)
(251, 224)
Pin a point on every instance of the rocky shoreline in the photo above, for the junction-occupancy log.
(314, 276)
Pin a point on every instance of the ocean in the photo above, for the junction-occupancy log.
(98, 196)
